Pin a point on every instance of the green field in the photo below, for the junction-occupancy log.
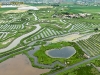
(86, 9)
(83, 70)
(53, 22)
(48, 60)
(2, 10)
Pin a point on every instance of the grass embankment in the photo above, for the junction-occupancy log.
(44, 59)
(32, 61)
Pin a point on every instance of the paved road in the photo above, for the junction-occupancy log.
(17, 41)
(80, 63)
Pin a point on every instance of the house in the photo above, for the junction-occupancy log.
(86, 56)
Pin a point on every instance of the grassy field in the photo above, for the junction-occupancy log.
(2, 10)
(34, 4)
(52, 26)
(86, 9)
(44, 59)
(83, 70)
(14, 25)
(91, 45)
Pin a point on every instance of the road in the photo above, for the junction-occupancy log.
(80, 63)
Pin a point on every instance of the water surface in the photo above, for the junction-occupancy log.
(65, 52)
(19, 65)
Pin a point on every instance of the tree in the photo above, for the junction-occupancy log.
(96, 29)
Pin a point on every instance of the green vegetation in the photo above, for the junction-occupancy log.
(96, 62)
(83, 70)
(91, 45)
(34, 4)
(32, 60)
(87, 9)
(54, 22)
(2, 10)
(11, 27)
(39, 43)
(13, 36)
(44, 59)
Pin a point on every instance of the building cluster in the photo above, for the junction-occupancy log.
(79, 15)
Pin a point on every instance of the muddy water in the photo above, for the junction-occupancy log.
(19, 65)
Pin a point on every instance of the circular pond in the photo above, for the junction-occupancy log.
(65, 52)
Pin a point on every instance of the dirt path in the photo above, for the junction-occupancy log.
(74, 37)
(69, 37)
